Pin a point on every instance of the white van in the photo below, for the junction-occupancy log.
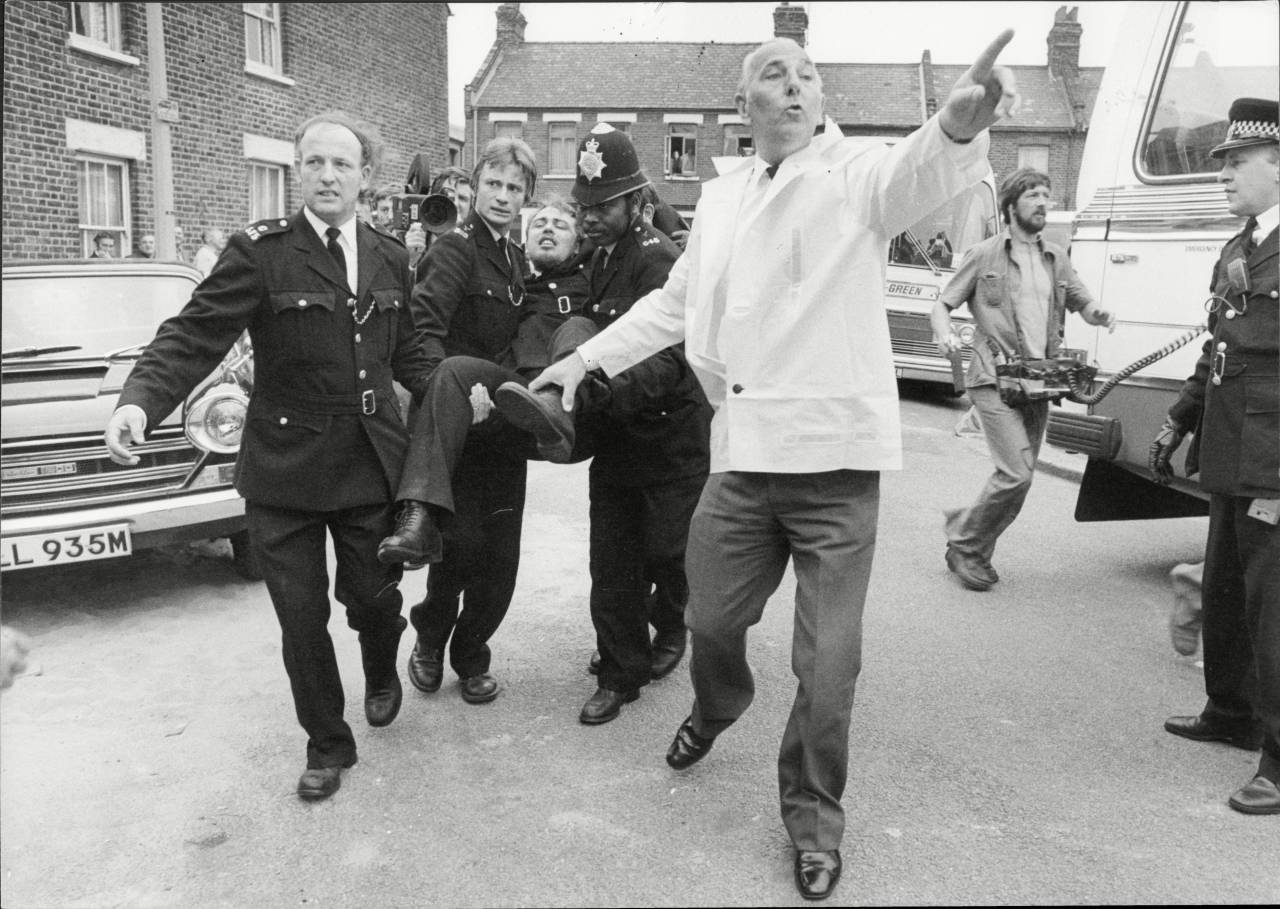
(1152, 222)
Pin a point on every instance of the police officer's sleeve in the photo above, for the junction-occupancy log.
(188, 346)
(446, 272)
(409, 363)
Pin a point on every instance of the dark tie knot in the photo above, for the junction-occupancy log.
(333, 234)
(771, 170)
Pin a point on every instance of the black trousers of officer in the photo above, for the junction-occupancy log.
(638, 538)
(469, 591)
(1241, 601)
(290, 547)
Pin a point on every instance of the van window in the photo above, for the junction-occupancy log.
(940, 239)
(1219, 52)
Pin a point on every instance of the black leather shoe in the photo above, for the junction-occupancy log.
(415, 541)
(382, 691)
(687, 748)
(593, 664)
(382, 700)
(817, 873)
(605, 705)
(319, 783)
(969, 570)
(668, 651)
(426, 667)
(1199, 729)
(541, 414)
(479, 689)
(1259, 796)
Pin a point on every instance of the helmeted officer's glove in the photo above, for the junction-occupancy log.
(1162, 448)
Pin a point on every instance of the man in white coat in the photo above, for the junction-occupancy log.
(779, 298)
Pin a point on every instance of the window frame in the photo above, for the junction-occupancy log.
(1027, 148)
(554, 141)
(498, 129)
(684, 132)
(123, 230)
(737, 132)
(255, 166)
(270, 20)
(113, 40)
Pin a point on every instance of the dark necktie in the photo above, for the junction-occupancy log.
(336, 251)
(506, 254)
(1250, 227)
(771, 170)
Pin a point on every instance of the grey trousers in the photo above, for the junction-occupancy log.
(745, 528)
(1013, 436)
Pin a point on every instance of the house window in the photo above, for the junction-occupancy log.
(737, 141)
(1035, 157)
(99, 22)
(508, 129)
(623, 127)
(562, 142)
(104, 202)
(266, 190)
(262, 35)
(682, 151)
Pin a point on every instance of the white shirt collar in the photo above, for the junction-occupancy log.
(1267, 222)
(347, 231)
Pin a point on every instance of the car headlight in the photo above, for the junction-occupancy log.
(967, 333)
(215, 421)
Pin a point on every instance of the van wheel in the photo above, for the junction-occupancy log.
(243, 560)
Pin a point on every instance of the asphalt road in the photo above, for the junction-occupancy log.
(1006, 746)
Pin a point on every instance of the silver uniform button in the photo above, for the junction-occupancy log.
(284, 420)
(363, 373)
(357, 337)
(1222, 345)
(613, 312)
(596, 308)
(284, 223)
(351, 301)
(302, 302)
(1231, 313)
(552, 285)
(1275, 294)
(1217, 380)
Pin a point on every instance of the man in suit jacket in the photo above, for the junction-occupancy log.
(779, 297)
(325, 300)
(1232, 404)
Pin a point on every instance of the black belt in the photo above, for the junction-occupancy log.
(366, 402)
(1229, 365)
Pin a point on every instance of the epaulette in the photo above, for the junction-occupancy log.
(464, 230)
(266, 227)
(650, 241)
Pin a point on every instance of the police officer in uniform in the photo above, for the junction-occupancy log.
(651, 440)
(325, 300)
(1232, 404)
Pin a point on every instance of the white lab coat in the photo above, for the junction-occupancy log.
(797, 360)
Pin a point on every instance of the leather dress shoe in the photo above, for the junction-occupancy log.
(479, 689)
(1197, 728)
(382, 699)
(541, 414)
(426, 667)
(319, 783)
(668, 650)
(593, 664)
(687, 748)
(415, 541)
(817, 873)
(1259, 796)
(969, 570)
(605, 705)
(382, 691)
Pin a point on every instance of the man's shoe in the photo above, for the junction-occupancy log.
(415, 541)
(479, 689)
(382, 691)
(319, 783)
(382, 700)
(969, 570)
(605, 705)
(541, 414)
(426, 667)
(668, 650)
(687, 748)
(593, 664)
(817, 873)
(1259, 796)
(1199, 729)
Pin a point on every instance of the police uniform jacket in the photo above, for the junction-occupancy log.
(551, 297)
(469, 298)
(669, 435)
(324, 428)
(1233, 398)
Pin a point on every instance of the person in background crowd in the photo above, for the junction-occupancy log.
(382, 214)
(650, 440)
(324, 298)
(455, 183)
(146, 248)
(214, 242)
(790, 343)
(104, 246)
(1019, 315)
(179, 238)
(1232, 404)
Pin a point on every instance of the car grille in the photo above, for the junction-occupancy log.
(911, 335)
(74, 471)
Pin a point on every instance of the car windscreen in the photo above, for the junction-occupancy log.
(97, 313)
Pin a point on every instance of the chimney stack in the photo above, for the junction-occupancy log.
(1064, 45)
(511, 23)
(790, 22)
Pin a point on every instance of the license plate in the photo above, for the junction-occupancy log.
(38, 550)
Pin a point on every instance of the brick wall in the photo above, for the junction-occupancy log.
(384, 62)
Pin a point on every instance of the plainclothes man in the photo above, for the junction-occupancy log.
(325, 299)
(1232, 404)
(1018, 287)
(779, 298)
(215, 241)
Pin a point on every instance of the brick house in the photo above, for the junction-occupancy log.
(80, 120)
(676, 102)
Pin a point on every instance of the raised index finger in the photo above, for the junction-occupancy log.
(982, 66)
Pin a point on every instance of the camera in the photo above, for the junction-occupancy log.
(434, 211)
